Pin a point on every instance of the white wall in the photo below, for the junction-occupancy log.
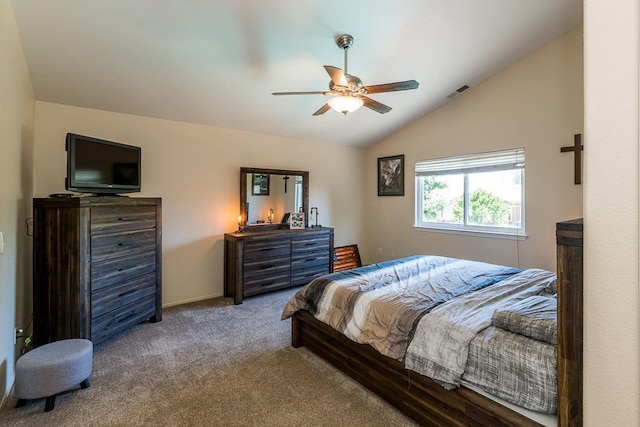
(16, 155)
(195, 169)
(535, 104)
(611, 341)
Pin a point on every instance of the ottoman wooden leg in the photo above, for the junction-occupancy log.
(50, 403)
(85, 383)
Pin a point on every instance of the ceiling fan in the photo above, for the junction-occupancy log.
(347, 91)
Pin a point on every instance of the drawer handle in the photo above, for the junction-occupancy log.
(121, 269)
(266, 267)
(127, 218)
(309, 259)
(130, 291)
(267, 284)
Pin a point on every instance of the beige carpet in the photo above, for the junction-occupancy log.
(211, 364)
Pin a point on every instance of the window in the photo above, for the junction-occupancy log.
(478, 193)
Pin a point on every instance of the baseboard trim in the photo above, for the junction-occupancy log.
(196, 299)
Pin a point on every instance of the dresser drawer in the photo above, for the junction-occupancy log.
(121, 319)
(113, 297)
(266, 266)
(122, 218)
(105, 246)
(122, 269)
(261, 284)
(300, 246)
(304, 276)
(266, 249)
(311, 260)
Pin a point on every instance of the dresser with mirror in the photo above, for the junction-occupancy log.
(265, 254)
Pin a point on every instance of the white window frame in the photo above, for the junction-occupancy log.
(468, 165)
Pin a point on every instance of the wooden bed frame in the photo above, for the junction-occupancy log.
(427, 402)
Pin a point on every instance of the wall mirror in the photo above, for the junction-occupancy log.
(267, 196)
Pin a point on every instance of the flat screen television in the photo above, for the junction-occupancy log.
(101, 167)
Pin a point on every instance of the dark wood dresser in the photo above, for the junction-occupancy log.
(97, 266)
(260, 261)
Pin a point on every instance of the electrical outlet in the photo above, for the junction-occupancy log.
(1, 242)
(379, 251)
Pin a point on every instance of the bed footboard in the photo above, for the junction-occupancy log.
(416, 396)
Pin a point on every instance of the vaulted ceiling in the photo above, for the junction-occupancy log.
(217, 62)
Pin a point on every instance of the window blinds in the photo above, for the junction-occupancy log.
(483, 162)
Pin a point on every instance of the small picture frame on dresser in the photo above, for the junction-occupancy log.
(296, 220)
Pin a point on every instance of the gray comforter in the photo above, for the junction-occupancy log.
(381, 304)
(436, 314)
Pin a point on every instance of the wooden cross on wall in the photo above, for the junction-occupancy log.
(577, 149)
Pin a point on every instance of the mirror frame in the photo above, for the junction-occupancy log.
(244, 171)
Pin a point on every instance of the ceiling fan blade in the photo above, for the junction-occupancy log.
(392, 87)
(375, 105)
(337, 75)
(302, 93)
(322, 110)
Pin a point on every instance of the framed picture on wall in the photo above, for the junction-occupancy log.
(391, 176)
(297, 220)
(260, 185)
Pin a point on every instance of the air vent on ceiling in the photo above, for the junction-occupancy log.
(458, 91)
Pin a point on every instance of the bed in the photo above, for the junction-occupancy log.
(470, 310)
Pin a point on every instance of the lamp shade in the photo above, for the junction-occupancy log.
(345, 104)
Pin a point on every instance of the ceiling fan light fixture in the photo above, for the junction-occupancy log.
(348, 92)
(345, 104)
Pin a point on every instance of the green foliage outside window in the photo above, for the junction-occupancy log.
(433, 205)
(485, 208)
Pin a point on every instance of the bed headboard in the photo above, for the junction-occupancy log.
(569, 257)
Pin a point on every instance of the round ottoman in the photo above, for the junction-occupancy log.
(53, 368)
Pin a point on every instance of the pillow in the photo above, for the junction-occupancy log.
(534, 317)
